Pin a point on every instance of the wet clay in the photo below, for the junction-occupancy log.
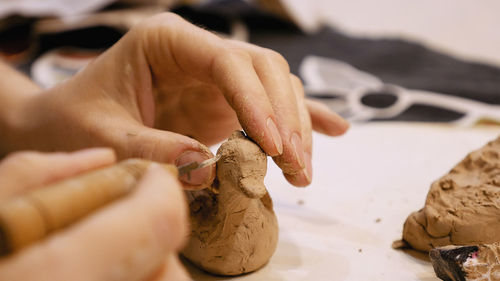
(462, 207)
(233, 226)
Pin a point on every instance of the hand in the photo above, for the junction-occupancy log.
(150, 225)
(167, 79)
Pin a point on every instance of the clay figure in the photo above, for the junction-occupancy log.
(233, 226)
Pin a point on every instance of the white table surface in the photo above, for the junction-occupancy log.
(463, 28)
(365, 184)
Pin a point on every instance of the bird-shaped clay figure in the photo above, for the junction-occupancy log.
(233, 226)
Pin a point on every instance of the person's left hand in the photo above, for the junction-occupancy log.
(167, 79)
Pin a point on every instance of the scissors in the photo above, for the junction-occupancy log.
(344, 88)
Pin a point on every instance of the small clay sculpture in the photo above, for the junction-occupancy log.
(233, 226)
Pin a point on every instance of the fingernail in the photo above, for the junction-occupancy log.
(93, 152)
(94, 155)
(304, 176)
(272, 130)
(195, 177)
(308, 169)
(298, 149)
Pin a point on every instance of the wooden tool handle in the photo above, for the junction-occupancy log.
(29, 218)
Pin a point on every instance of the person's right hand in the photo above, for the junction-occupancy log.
(133, 239)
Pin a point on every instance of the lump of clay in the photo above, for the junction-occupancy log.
(233, 227)
(463, 207)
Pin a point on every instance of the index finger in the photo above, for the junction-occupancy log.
(172, 43)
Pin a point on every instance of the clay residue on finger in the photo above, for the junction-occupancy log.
(233, 226)
(462, 207)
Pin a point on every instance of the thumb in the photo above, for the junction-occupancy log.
(168, 147)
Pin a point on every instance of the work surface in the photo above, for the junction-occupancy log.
(365, 184)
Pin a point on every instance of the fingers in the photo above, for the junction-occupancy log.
(23, 171)
(172, 270)
(164, 146)
(274, 74)
(174, 44)
(234, 73)
(326, 121)
(303, 176)
(128, 240)
(255, 82)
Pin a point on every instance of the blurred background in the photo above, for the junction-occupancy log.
(387, 60)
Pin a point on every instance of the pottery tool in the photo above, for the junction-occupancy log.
(187, 168)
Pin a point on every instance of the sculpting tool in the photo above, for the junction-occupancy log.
(187, 168)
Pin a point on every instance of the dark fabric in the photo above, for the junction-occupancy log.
(395, 61)
(399, 62)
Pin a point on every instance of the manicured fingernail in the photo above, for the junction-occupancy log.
(94, 155)
(299, 179)
(298, 149)
(272, 130)
(195, 177)
(93, 152)
(308, 169)
(304, 176)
